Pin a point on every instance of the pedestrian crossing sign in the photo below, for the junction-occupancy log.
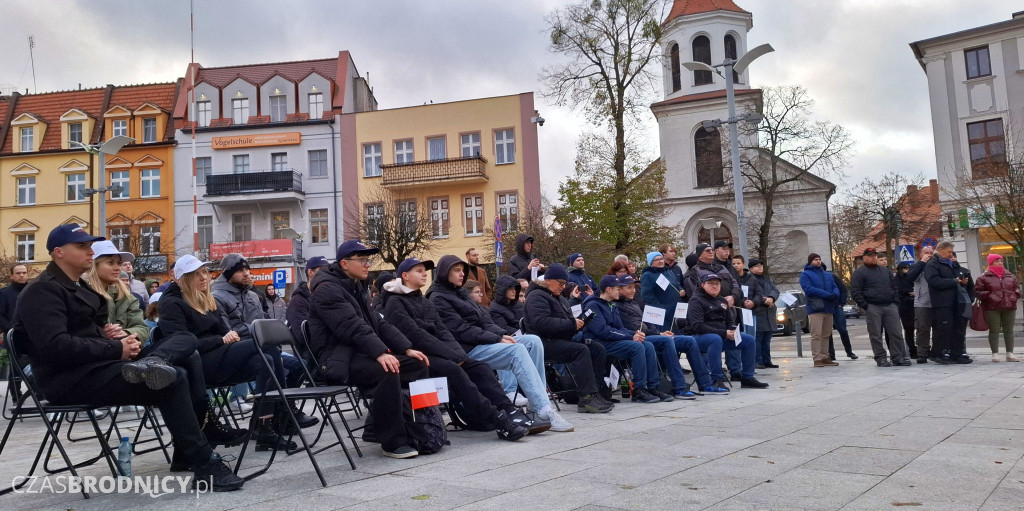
(906, 253)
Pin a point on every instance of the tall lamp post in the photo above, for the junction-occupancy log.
(726, 71)
(110, 147)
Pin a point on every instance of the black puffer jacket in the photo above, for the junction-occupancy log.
(873, 285)
(176, 315)
(691, 280)
(506, 313)
(709, 315)
(298, 311)
(941, 276)
(632, 316)
(518, 264)
(342, 326)
(547, 315)
(470, 323)
(417, 318)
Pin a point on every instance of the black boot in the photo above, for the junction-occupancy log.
(304, 420)
(267, 439)
(178, 463)
(218, 433)
(215, 475)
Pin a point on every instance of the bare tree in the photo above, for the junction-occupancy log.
(849, 226)
(152, 250)
(399, 226)
(884, 201)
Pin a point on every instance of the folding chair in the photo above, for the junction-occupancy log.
(53, 415)
(271, 332)
(305, 350)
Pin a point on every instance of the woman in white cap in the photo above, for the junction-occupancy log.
(124, 315)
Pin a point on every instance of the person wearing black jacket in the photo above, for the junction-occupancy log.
(764, 313)
(474, 390)
(9, 296)
(905, 293)
(522, 264)
(709, 313)
(873, 287)
(839, 320)
(506, 310)
(298, 307)
(355, 346)
(945, 282)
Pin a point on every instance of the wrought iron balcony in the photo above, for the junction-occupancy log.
(268, 181)
(434, 172)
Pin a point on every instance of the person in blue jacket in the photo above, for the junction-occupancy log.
(578, 275)
(822, 301)
(654, 294)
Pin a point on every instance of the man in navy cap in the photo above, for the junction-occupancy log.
(298, 307)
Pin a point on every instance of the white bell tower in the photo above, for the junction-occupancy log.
(706, 31)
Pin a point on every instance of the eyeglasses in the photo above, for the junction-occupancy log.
(709, 249)
(561, 282)
(365, 261)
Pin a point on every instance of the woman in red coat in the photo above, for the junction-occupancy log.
(999, 291)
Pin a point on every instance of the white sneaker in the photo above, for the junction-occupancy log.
(557, 422)
(995, 357)
(1011, 358)
(518, 399)
(238, 406)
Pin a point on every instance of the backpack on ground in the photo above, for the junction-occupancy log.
(426, 432)
(461, 419)
(561, 385)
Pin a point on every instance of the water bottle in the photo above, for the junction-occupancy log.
(124, 456)
(627, 383)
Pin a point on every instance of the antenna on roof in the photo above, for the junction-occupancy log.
(32, 44)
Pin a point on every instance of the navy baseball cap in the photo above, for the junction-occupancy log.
(626, 280)
(69, 233)
(710, 276)
(411, 263)
(316, 262)
(354, 247)
(722, 243)
(608, 281)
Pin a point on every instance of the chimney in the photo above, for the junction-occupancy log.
(911, 189)
(933, 185)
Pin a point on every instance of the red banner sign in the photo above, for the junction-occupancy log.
(250, 249)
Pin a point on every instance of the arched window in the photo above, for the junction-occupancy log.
(707, 148)
(674, 58)
(702, 53)
(732, 53)
(713, 235)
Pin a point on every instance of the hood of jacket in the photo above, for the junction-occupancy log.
(811, 267)
(652, 269)
(441, 283)
(221, 284)
(521, 245)
(502, 285)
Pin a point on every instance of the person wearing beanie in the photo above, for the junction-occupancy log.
(873, 288)
(822, 301)
(578, 275)
(660, 288)
(998, 290)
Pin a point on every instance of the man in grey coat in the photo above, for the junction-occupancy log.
(922, 306)
(874, 289)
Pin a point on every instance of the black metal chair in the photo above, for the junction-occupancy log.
(53, 415)
(305, 350)
(272, 332)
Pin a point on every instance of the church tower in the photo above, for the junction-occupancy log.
(707, 31)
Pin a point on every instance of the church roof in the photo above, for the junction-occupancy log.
(687, 7)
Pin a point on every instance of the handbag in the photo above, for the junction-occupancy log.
(978, 321)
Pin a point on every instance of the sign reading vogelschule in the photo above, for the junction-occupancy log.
(257, 140)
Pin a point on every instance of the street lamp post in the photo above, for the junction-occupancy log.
(110, 147)
(727, 69)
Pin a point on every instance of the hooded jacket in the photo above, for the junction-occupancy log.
(632, 316)
(342, 325)
(418, 320)
(581, 279)
(298, 311)
(820, 289)
(904, 285)
(479, 274)
(765, 316)
(506, 313)
(470, 323)
(547, 315)
(655, 296)
(606, 325)
(518, 264)
(691, 279)
(240, 305)
(709, 315)
(997, 293)
(176, 315)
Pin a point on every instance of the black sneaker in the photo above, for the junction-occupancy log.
(402, 452)
(852, 355)
(152, 371)
(905, 363)
(268, 440)
(883, 362)
(963, 359)
(592, 403)
(663, 396)
(530, 421)
(506, 428)
(643, 396)
(305, 421)
(752, 383)
(940, 360)
(216, 475)
(922, 360)
(218, 433)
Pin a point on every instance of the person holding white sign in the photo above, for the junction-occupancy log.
(606, 327)
(709, 313)
(660, 287)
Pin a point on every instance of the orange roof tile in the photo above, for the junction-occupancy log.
(687, 7)
(132, 97)
(704, 95)
(297, 117)
(922, 218)
(257, 74)
(48, 107)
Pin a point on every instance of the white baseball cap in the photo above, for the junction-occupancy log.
(106, 248)
(186, 264)
(155, 297)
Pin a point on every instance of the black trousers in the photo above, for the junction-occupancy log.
(584, 360)
(386, 389)
(907, 318)
(179, 349)
(948, 331)
(474, 386)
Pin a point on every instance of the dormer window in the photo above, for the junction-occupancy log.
(149, 130)
(316, 105)
(120, 128)
(27, 139)
(278, 108)
(75, 132)
(240, 110)
(205, 113)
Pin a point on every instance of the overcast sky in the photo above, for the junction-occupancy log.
(851, 55)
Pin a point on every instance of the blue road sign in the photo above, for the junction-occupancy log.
(280, 278)
(906, 254)
(498, 248)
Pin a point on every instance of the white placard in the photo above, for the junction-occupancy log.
(788, 299)
(613, 378)
(746, 291)
(654, 315)
(577, 310)
(748, 317)
(533, 273)
(737, 336)
(662, 282)
(518, 333)
(441, 384)
(681, 309)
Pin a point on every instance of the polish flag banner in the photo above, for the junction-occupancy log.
(424, 394)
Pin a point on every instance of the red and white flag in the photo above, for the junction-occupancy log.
(424, 394)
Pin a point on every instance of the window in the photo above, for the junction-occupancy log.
(436, 149)
(119, 237)
(120, 178)
(711, 236)
(26, 248)
(708, 152)
(204, 166)
(988, 148)
(241, 227)
(403, 151)
(371, 160)
(120, 128)
(279, 220)
(702, 53)
(504, 146)
(205, 112)
(508, 211)
(240, 163)
(731, 53)
(470, 145)
(27, 137)
(673, 57)
(150, 183)
(26, 191)
(204, 227)
(75, 188)
(149, 240)
(407, 218)
(439, 221)
(318, 225)
(978, 63)
(278, 161)
(240, 110)
(278, 108)
(318, 163)
(374, 222)
(75, 132)
(149, 130)
(316, 105)
(474, 208)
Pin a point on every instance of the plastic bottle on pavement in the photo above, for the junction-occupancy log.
(124, 456)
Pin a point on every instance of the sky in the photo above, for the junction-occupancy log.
(852, 56)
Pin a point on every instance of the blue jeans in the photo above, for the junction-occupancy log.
(524, 360)
(763, 341)
(643, 359)
(747, 351)
(711, 346)
(668, 349)
(535, 348)
(692, 348)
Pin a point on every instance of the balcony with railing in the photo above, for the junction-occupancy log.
(434, 172)
(257, 185)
